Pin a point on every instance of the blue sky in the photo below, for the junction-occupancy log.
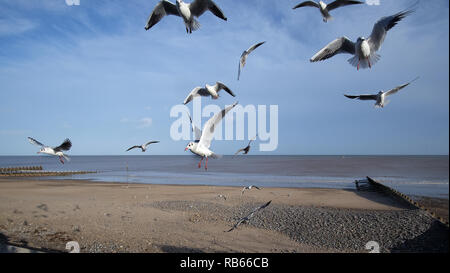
(93, 74)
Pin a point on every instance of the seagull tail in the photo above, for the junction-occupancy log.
(66, 157)
(195, 25)
(216, 156)
(364, 63)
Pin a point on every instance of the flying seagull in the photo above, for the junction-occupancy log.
(247, 218)
(57, 151)
(380, 98)
(325, 9)
(187, 11)
(202, 147)
(249, 188)
(246, 149)
(364, 49)
(208, 90)
(244, 56)
(143, 147)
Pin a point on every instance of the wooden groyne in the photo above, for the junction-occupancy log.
(36, 171)
(374, 185)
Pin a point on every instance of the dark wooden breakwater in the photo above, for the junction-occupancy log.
(373, 185)
(36, 171)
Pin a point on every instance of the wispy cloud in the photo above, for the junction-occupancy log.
(14, 26)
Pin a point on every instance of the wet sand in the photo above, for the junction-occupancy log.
(113, 217)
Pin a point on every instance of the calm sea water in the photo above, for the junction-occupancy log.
(412, 175)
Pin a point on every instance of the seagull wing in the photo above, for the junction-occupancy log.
(150, 142)
(195, 129)
(381, 28)
(198, 91)
(245, 54)
(65, 146)
(307, 4)
(253, 47)
(398, 88)
(340, 45)
(162, 9)
(362, 97)
(240, 150)
(340, 3)
(198, 7)
(224, 87)
(134, 147)
(258, 209)
(35, 142)
(208, 130)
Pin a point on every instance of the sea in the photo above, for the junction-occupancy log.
(412, 175)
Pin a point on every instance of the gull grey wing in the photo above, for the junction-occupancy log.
(240, 150)
(254, 47)
(341, 3)
(35, 142)
(134, 147)
(340, 45)
(198, 7)
(208, 130)
(362, 97)
(198, 91)
(398, 88)
(239, 68)
(381, 28)
(224, 87)
(162, 9)
(151, 142)
(65, 146)
(307, 4)
(195, 129)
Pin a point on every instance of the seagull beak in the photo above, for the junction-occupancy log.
(185, 149)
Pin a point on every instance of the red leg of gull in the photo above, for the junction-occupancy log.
(368, 60)
(200, 163)
(61, 159)
(357, 67)
(206, 164)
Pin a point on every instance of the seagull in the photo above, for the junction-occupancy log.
(364, 49)
(249, 188)
(185, 10)
(57, 151)
(208, 90)
(247, 218)
(143, 147)
(244, 56)
(202, 147)
(380, 98)
(195, 129)
(246, 149)
(324, 8)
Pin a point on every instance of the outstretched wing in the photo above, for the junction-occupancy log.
(307, 4)
(362, 97)
(340, 45)
(162, 9)
(195, 129)
(208, 130)
(151, 142)
(247, 218)
(198, 91)
(240, 150)
(35, 142)
(381, 28)
(134, 147)
(398, 88)
(65, 146)
(253, 47)
(198, 7)
(224, 87)
(340, 3)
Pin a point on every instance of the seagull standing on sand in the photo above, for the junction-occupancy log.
(380, 98)
(324, 8)
(364, 49)
(249, 188)
(185, 10)
(244, 56)
(202, 147)
(208, 90)
(57, 151)
(247, 218)
(143, 147)
(246, 149)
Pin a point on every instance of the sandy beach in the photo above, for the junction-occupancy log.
(112, 217)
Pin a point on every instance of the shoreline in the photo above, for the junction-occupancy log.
(121, 217)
